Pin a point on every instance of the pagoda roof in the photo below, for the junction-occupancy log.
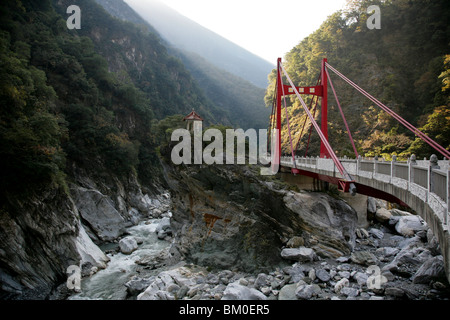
(193, 116)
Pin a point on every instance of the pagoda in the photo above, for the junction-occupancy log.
(193, 121)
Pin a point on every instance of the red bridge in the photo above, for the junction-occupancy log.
(424, 186)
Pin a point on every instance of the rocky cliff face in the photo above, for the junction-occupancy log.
(223, 217)
(37, 240)
(229, 217)
(43, 235)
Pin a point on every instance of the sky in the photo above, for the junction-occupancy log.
(267, 28)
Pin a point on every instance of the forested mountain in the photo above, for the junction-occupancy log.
(403, 65)
(86, 113)
(83, 112)
(243, 101)
(91, 96)
(188, 35)
(231, 90)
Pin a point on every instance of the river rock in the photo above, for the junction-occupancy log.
(431, 270)
(163, 229)
(136, 285)
(307, 291)
(361, 278)
(323, 275)
(312, 274)
(341, 284)
(411, 256)
(296, 272)
(407, 226)
(295, 242)
(342, 259)
(99, 212)
(140, 201)
(398, 212)
(344, 274)
(127, 245)
(349, 291)
(333, 222)
(394, 291)
(235, 291)
(362, 233)
(134, 216)
(174, 279)
(387, 251)
(383, 215)
(301, 254)
(230, 217)
(288, 292)
(376, 233)
(363, 258)
(371, 206)
(89, 252)
(261, 281)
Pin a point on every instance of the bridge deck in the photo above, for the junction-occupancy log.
(421, 187)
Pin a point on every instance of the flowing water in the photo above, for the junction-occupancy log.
(109, 283)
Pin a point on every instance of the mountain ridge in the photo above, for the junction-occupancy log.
(242, 100)
(188, 35)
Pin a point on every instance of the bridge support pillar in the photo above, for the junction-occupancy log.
(359, 203)
(304, 182)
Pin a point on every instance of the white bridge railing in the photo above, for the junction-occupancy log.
(428, 180)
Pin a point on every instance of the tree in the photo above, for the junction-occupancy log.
(437, 125)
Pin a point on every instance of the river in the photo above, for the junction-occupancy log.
(109, 283)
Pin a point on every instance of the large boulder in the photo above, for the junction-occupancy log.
(127, 245)
(431, 269)
(235, 291)
(323, 275)
(288, 292)
(410, 257)
(307, 291)
(163, 229)
(231, 217)
(383, 215)
(99, 212)
(301, 254)
(407, 226)
(89, 252)
(364, 258)
(136, 285)
(167, 284)
(330, 223)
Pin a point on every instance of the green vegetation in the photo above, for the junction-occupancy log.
(243, 101)
(402, 65)
(234, 101)
(92, 98)
(105, 98)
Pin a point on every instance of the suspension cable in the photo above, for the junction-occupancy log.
(416, 131)
(306, 118)
(342, 113)
(289, 128)
(272, 120)
(336, 161)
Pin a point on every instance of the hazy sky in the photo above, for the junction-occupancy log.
(267, 28)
